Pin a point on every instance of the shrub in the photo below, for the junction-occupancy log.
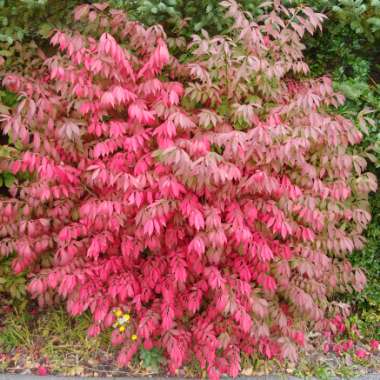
(369, 258)
(203, 225)
(367, 303)
(12, 288)
(25, 20)
(361, 16)
(349, 50)
(25, 23)
(182, 18)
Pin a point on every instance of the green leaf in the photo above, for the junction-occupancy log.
(5, 53)
(198, 26)
(8, 98)
(4, 151)
(161, 7)
(45, 30)
(352, 90)
(9, 179)
(375, 22)
(151, 359)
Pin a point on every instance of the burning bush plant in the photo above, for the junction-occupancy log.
(205, 221)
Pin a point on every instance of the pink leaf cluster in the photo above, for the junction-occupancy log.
(221, 227)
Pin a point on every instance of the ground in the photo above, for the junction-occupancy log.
(49, 342)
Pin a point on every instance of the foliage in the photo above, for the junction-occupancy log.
(152, 359)
(361, 16)
(219, 224)
(26, 20)
(12, 288)
(351, 57)
(367, 303)
(349, 50)
(369, 258)
(7, 179)
(182, 18)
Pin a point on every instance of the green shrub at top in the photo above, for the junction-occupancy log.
(26, 20)
(362, 16)
(185, 17)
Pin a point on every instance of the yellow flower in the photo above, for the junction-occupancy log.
(126, 317)
(118, 313)
(134, 337)
(122, 328)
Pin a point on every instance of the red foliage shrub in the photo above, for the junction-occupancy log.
(220, 225)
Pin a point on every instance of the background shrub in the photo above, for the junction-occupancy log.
(183, 18)
(23, 21)
(366, 304)
(349, 50)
